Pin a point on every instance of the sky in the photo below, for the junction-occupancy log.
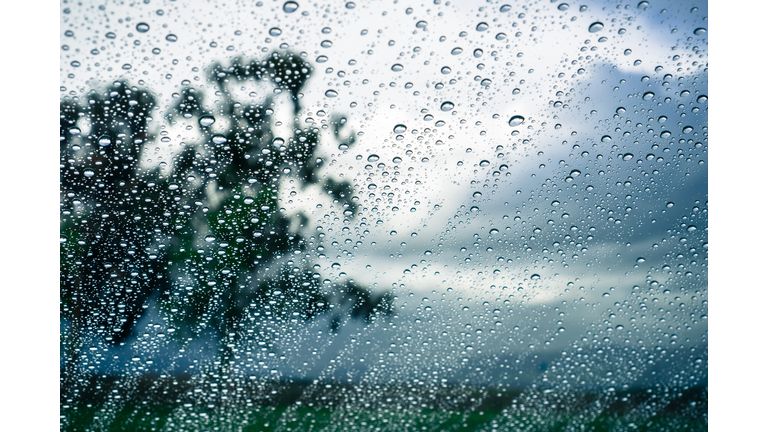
(452, 188)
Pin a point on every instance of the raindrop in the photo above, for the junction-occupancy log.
(446, 106)
(628, 156)
(350, 5)
(605, 138)
(277, 142)
(516, 120)
(326, 44)
(75, 63)
(218, 139)
(627, 52)
(393, 233)
(62, 239)
(275, 31)
(643, 5)
(505, 8)
(400, 128)
(74, 131)
(687, 129)
(640, 260)
(699, 31)
(210, 238)
(331, 93)
(648, 95)
(575, 173)
(456, 51)
(445, 70)
(563, 6)
(373, 158)
(206, 120)
(691, 228)
(290, 6)
(397, 67)
(701, 99)
(535, 276)
(486, 82)
(596, 27)
(483, 26)
(484, 163)
(171, 37)
(173, 186)
(110, 35)
(142, 27)
(105, 140)
(248, 200)
(396, 159)
(421, 24)
(478, 53)
(501, 36)
(555, 203)
(670, 204)
(88, 172)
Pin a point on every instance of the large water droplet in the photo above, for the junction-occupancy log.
(483, 26)
(206, 120)
(88, 172)
(643, 5)
(105, 140)
(701, 99)
(142, 27)
(596, 27)
(331, 93)
(171, 37)
(350, 5)
(397, 67)
(445, 70)
(275, 31)
(648, 95)
(516, 120)
(457, 51)
(563, 6)
(421, 24)
(219, 139)
(210, 238)
(501, 36)
(290, 6)
(400, 128)
(373, 158)
(699, 31)
(478, 53)
(446, 106)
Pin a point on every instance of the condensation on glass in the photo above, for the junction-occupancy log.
(381, 216)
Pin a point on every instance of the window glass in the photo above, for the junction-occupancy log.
(396, 215)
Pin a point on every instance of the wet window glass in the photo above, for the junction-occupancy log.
(396, 215)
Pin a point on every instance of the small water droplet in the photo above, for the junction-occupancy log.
(516, 120)
(446, 106)
(373, 158)
(173, 186)
(483, 26)
(575, 173)
(142, 27)
(640, 260)
(670, 204)
(326, 44)
(627, 52)
(400, 128)
(596, 27)
(206, 120)
(331, 93)
(290, 6)
(397, 159)
(621, 110)
(555, 203)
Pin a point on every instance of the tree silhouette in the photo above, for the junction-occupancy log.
(202, 234)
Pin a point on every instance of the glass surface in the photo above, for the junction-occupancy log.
(444, 215)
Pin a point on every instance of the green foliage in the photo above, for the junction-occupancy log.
(203, 233)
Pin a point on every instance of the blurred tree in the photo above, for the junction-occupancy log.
(202, 233)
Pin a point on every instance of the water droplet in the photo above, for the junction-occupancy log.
(484, 163)
(627, 52)
(321, 59)
(665, 134)
(628, 156)
(142, 27)
(275, 31)
(396, 159)
(135, 359)
(483, 26)
(326, 44)
(478, 53)
(110, 35)
(74, 131)
(555, 203)
(350, 5)
(457, 51)
(171, 37)
(687, 129)
(397, 67)
(670, 204)
(445, 70)
(505, 8)
(474, 209)
(563, 6)
(393, 233)
(400, 128)
(691, 228)
(105, 140)
(486, 82)
(373, 158)
(421, 24)
(127, 66)
(219, 139)
(701, 99)
(75, 63)
(248, 200)
(516, 120)
(173, 186)
(575, 173)
(501, 36)
(596, 27)
(605, 138)
(446, 106)
(640, 260)
(643, 5)
(88, 172)
(648, 95)
(206, 120)
(210, 238)
(621, 110)
(290, 6)
(535, 276)
(331, 93)
(699, 31)
(62, 239)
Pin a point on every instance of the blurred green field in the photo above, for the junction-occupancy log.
(348, 408)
